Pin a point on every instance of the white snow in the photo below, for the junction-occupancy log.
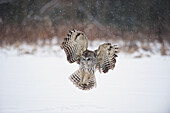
(36, 84)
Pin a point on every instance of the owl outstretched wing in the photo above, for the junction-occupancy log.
(74, 45)
(106, 57)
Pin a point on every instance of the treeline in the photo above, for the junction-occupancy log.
(126, 19)
(122, 14)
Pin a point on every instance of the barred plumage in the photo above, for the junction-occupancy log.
(104, 58)
(76, 77)
(74, 45)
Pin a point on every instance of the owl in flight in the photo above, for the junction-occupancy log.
(103, 59)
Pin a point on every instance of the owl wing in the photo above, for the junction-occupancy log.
(106, 57)
(74, 45)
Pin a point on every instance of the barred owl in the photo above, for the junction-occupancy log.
(104, 58)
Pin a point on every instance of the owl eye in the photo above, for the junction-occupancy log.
(88, 59)
(83, 58)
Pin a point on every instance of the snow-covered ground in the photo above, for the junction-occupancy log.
(40, 84)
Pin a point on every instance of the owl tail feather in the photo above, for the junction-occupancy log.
(75, 78)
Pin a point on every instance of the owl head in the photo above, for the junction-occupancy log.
(88, 58)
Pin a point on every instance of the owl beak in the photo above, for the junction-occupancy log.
(86, 62)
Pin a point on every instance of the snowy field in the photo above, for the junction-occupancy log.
(40, 84)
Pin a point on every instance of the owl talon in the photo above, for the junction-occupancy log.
(86, 84)
(80, 83)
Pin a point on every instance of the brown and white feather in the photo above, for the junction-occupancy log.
(74, 45)
(76, 78)
(106, 57)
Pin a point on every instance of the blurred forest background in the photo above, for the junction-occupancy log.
(127, 20)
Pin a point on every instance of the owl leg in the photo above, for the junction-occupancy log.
(80, 83)
(81, 79)
(99, 70)
(86, 79)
